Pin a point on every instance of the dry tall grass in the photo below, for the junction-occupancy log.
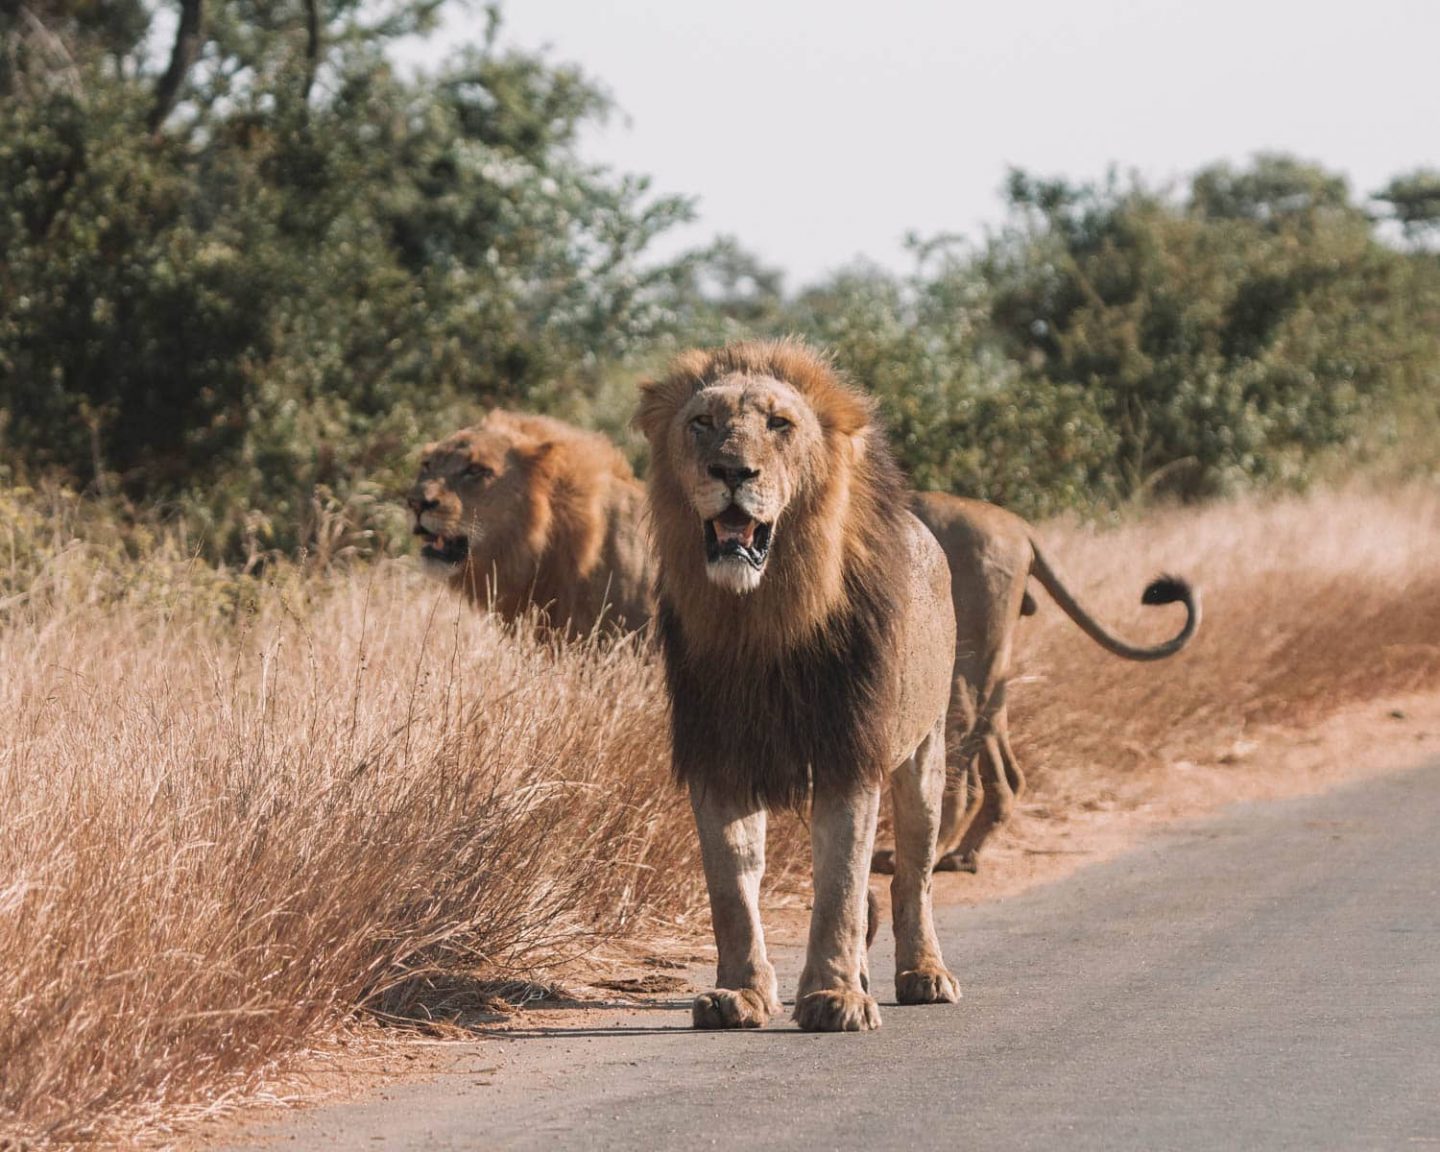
(232, 810)
(1310, 605)
(225, 825)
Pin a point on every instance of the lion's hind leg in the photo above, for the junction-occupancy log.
(964, 789)
(997, 802)
(732, 847)
(964, 797)
(1002, 782)
(918, 788)
(1013, 773)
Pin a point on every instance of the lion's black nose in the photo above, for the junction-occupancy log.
(421, 504)
(733, 477)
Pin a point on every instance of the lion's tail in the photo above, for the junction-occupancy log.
(1164, 590)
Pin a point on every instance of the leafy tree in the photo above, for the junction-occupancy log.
(1231, 335)
(246, 266)
(269, 261)
(962, 416)
(1414, 201)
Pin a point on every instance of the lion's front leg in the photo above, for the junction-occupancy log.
(832, 996)
(918, 788)
(732, 846)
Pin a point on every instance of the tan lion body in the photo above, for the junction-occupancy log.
(809, 642)
(531, 514)
(992, 554)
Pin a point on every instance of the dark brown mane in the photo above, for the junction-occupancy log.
(783, 688)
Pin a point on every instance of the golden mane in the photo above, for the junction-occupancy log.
(806, 659)
(572, 541)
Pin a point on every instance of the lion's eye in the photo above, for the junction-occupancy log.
(777, 424)
(479, 472)
(701, 423)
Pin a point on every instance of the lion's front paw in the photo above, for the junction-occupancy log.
(833, 1011)
(926, 986)
(730, 1008)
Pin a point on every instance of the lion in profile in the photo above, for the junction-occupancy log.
(992, 554)
(525, 513)
(805, 622)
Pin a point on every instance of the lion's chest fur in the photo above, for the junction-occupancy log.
(837, 712)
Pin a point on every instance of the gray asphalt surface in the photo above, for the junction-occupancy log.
(1269, 979)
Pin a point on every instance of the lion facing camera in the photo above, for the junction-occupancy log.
(805, 620)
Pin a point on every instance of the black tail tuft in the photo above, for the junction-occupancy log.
(1166, 590)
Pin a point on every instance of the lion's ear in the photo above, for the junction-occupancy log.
(540, 457)
(661, 399)
(655, 409)
(846, 412)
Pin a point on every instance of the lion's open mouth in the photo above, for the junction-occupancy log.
(736, 533)
(446, 549)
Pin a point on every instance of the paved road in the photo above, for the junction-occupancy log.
(1268, 979)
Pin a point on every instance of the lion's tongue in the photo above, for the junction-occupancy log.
(735, 525)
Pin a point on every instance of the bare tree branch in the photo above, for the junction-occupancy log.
(182, 56)
(312, 47)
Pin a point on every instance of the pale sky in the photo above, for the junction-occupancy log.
(818, 133)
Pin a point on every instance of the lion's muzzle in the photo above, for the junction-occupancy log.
(451, 550)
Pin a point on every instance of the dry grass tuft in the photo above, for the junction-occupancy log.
(235, 810)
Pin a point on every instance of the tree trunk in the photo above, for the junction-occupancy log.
(187, 46)
(312, 48)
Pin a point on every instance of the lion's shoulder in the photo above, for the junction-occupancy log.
(924, 555)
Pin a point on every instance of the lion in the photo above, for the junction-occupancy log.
(807, 634)
(525, 513)
(992, 554)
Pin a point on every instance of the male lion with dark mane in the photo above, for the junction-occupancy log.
(525, 513)
(805, 621)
